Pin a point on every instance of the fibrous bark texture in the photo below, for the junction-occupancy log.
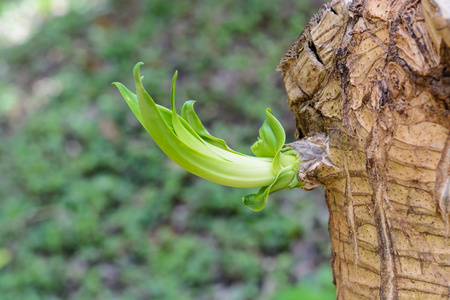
(370, 82)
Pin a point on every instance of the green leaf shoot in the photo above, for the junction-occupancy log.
(187, 142)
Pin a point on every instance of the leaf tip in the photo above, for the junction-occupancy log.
(136, 71)
(257, 201)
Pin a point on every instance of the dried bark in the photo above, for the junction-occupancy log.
(369, 83)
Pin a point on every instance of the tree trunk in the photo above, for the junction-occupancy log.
(369, 83)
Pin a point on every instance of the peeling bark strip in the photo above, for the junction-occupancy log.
(369, 84)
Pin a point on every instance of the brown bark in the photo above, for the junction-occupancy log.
(369, 81)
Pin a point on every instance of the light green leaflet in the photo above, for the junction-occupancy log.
(186, 141)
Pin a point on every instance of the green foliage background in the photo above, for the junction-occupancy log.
(91, 209)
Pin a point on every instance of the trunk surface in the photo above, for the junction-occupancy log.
(370, 82)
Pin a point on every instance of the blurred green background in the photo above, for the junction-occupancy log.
(90, 208)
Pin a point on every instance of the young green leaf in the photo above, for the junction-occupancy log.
(271, 137)
(188, 113)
